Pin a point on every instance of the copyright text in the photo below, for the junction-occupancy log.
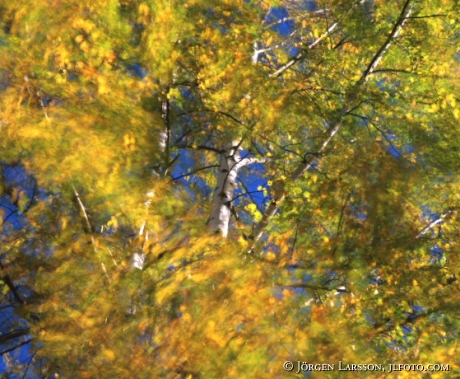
(299, 366)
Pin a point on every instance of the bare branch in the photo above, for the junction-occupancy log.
(200, 147)
(301, 55)
(316, 13)
(90, 230)
(313, 287)
(429, 16)
(383, 70)
(194, 171)
(14, 334)
(83, 210)
(380, 131)
(247, 192)
(39, 97)
(225, 114)
(9, 283)
(257, 51)
(15, 347)
(433, 224)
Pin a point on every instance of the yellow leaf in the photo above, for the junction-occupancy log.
(129, 142)
(113, 222)
(102, 85)
(143, 325)
(433, 108)
(252, 207)
(271, 256)
(165, 293)
(109, 354)
(144, 9)
(450, 98)
(80, 38)
(85, 46)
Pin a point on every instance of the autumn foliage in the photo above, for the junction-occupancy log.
(210, 189)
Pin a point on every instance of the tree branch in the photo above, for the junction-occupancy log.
(90, 230)
(194, 171)
(83, 210)
(313, 287)
(200, 147)
(302, 54)
(335, 125)
(405, 13)
(250, 195)
(14, 334)
(383, 70)
(15, 347)
(247, 161)
(380, 131)
(429, 16)
(9, 283)
(433, 224)
(316, 13)
(226, 115)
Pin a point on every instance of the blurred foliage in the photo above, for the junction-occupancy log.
(115, 108)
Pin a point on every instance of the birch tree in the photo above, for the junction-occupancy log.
(221, 188)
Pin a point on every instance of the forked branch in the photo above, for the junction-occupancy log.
(335, 125)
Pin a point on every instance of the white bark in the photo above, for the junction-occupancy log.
(433, 224)
(138, 258)
(405, 14)
(230, 163)
(222, 202)
(90, 230)
(302, 54)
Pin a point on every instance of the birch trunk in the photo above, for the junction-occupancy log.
(230, 163)
(164, 135)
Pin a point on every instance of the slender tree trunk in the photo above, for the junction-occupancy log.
(164, 137)
(230, 163)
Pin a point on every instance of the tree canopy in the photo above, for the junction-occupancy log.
(210, 189)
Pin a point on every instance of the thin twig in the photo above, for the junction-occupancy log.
(200, 147)
(15, 347)
(313, 287)
(433, 224)
(9, 283)
(194, 172)
(42, 104)
(90, 230)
